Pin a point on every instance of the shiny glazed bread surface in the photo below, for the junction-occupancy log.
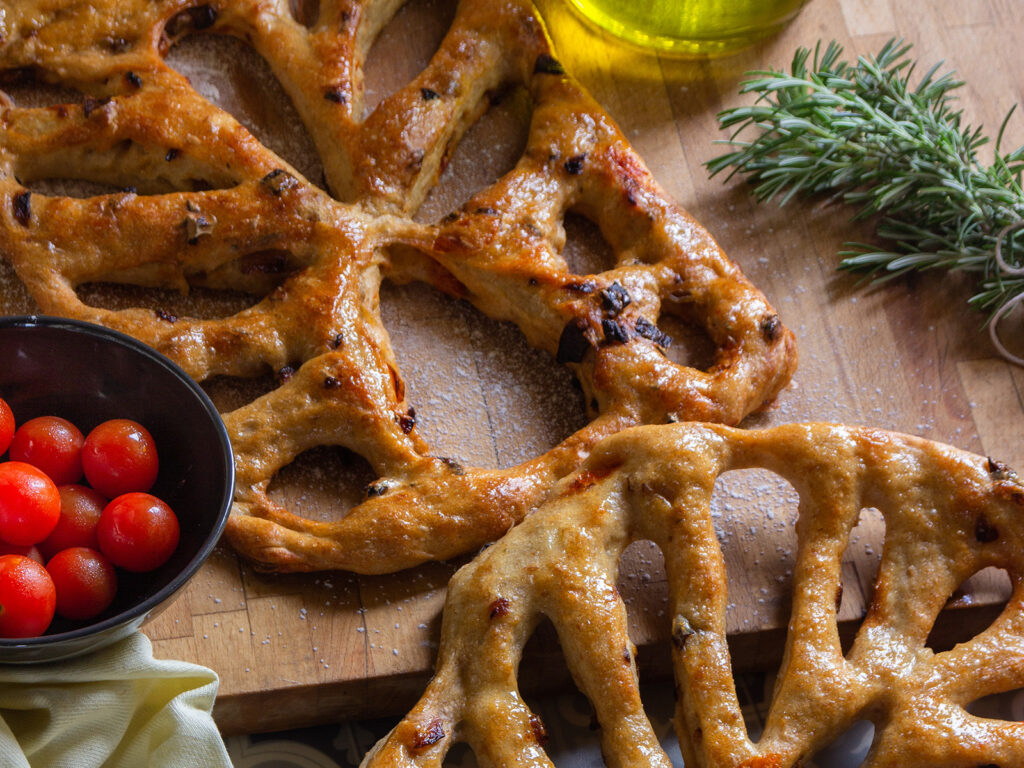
(206, 204)
(948, 514)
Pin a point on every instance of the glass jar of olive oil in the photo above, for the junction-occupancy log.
(691, 27)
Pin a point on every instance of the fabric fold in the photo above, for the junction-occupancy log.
(117, 708)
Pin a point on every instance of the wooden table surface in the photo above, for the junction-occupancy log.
(909, 356)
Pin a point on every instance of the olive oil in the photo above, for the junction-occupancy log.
(691, 27)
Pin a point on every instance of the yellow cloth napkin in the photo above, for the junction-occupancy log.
(116, 708)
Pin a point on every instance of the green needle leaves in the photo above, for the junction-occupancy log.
(862, 134)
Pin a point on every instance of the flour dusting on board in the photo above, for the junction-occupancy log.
(482, 395)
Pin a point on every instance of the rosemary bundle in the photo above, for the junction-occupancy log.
(863, 134)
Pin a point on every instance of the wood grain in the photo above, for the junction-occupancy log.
(908, 355)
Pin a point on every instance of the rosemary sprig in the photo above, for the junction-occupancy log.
(861, 133)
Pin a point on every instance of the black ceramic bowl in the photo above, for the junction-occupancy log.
(87, 374)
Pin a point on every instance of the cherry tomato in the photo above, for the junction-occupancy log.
(85, 582)
(32, 552)
(27, 597)
(29, 503)
(119, 456)
(138, 532)
(6, 425)
(80, 510)
(51, 443)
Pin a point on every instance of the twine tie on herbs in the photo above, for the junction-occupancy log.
(1005, 269)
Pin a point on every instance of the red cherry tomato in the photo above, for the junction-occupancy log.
(80, 510)
(27, 597)
(51, 443)
(138, 532)
(29, 504)
(6, 425)
(85, 582)
(32, 552)
(119, 456)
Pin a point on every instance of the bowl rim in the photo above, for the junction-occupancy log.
(144, 607)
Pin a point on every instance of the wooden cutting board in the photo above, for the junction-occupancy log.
(302, 649)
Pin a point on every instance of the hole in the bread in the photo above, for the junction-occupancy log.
(1008, 705)
(67, 187)
(198, 302)
(691, 345)
(644, 590)
(306, 12)
(659, 705)
(972, 607)
(460, 756)
(566, 730)
(848, 750)
(859, 570)
(544, 672)
(256, 273)
(230, 393)
(230, 74)
(754, 512)
(230, 288)
(125, 167)
(586, 252)
(482, 395)
(404, 47)
(543, 667)
(643, 586)
(14, 296)
(754, 693)
(27, 90)
(487, 151)
(323, 483)
(570, 720)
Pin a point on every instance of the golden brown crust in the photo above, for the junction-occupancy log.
(140, 124)
(948, 514)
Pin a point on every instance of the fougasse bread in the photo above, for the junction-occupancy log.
(206, 204)
(948, 514)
